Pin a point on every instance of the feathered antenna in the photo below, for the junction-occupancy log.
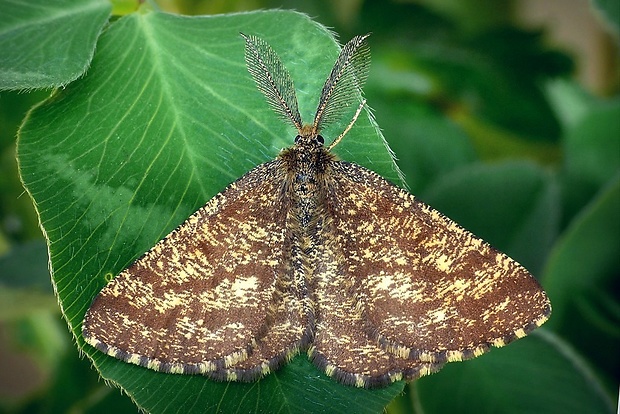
(344, 84)
(272, 79)
(342, 87)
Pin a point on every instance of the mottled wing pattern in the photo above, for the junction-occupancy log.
(422, 288)
(342, 346)
(213, 297)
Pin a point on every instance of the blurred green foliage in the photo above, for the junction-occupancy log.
(488, 126)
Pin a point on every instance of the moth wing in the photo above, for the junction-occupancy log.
(342, 346)
(202, 299)
(428, 289)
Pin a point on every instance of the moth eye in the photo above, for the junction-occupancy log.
(320, 139)
(297, 138)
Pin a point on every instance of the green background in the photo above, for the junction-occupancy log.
(141, 116)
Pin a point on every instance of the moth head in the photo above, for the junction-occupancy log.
(309, 136)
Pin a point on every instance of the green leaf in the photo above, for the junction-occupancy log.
(47, 43)
(70, 384)
(24, 282)
(25, 267)
(427, 143)
(508, 80)
(494, 74)
(581, 276)
(166, 117)
(537, 374)
(569, 100)
(610, 10)
(592, 152)
(513, 205)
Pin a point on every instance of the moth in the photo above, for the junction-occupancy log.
(311, 253)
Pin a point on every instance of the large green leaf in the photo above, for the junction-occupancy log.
(588, 254)
(166, 117)
(48, 43)
(581, 278)
(592, 151)
(538, 374)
